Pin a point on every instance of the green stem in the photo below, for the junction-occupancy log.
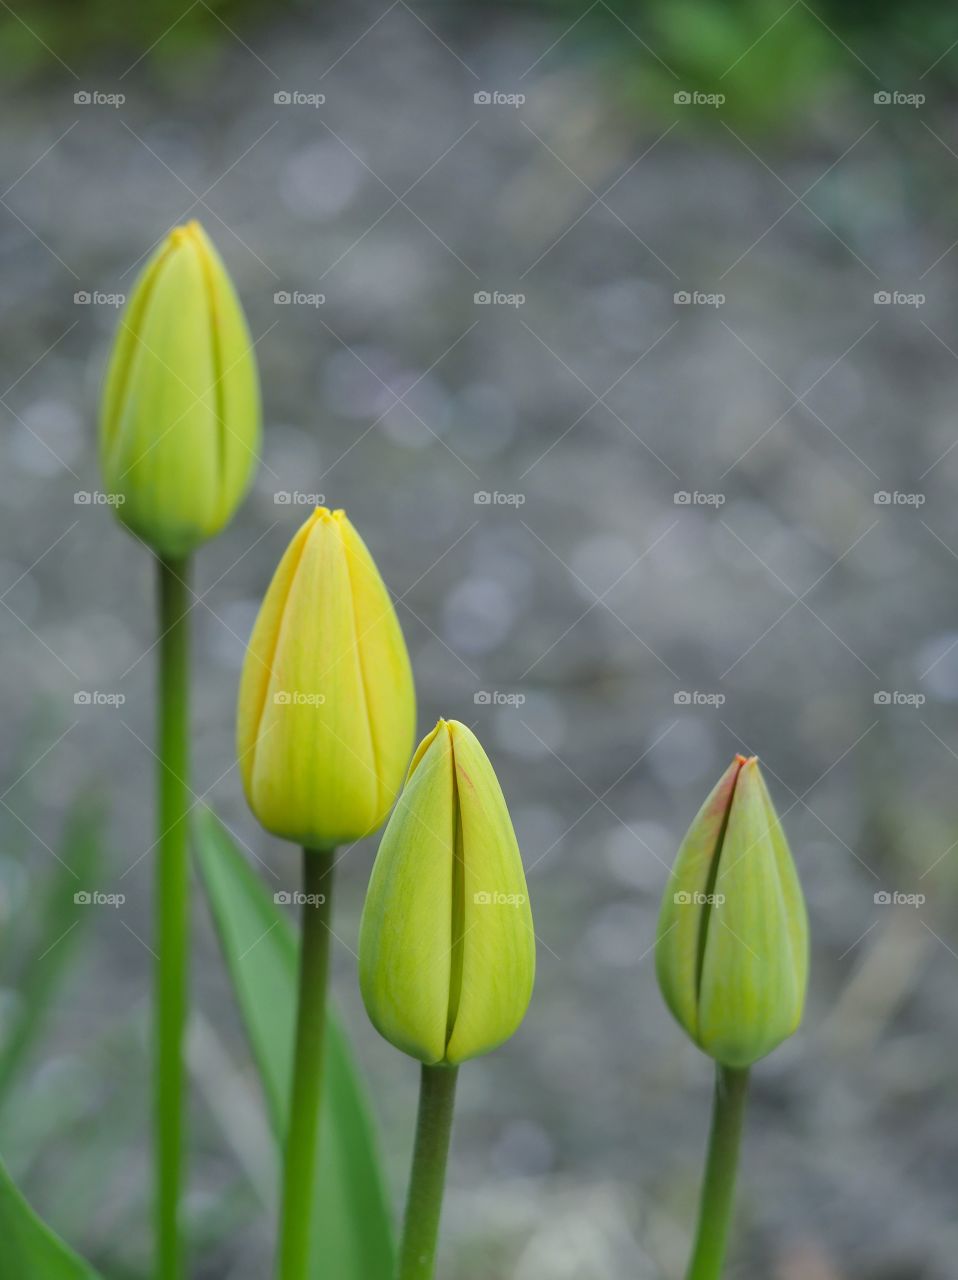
(437, 1095)
(718, 1186)
(299, 1165)
(172, 909)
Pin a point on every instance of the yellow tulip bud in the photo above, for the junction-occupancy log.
(446, 947)
(732, 947)
(327, 708)
(180, 420)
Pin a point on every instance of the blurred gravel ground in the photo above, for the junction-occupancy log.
(598, 598)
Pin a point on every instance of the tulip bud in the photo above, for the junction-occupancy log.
(327, 708)
(732, 946)
(446, 947)
(180, 421)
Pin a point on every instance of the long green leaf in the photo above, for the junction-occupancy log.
(52, 944)
(352, 1230)
(28, 1248)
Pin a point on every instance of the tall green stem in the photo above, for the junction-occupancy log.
(437, 1095)
(718, 1186)
(172, 908)
(299, 1165)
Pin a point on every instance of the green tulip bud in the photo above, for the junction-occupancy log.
(732, 947)
(180, 421)
(446, 947)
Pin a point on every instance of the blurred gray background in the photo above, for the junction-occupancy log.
(711, 403)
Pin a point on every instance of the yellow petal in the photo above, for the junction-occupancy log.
(677, 948)
(326, 706)
(405, 944)
(497, 967)
(385, 669)
(447, 951)
(755, 964)
(236, 392)
(179, 430)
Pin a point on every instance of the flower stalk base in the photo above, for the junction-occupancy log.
(299, 1165)
(721, 1166)
(437, 1095)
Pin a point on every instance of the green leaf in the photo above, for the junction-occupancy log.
(30, 1248)
(352, 1229)
(50, 946)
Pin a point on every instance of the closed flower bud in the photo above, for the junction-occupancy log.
(327, 709)
(732, 946)
(180, 420)
(446, 947)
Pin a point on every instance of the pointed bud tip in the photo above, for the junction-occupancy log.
(454, 728)
(187, 233)
(321, 514)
